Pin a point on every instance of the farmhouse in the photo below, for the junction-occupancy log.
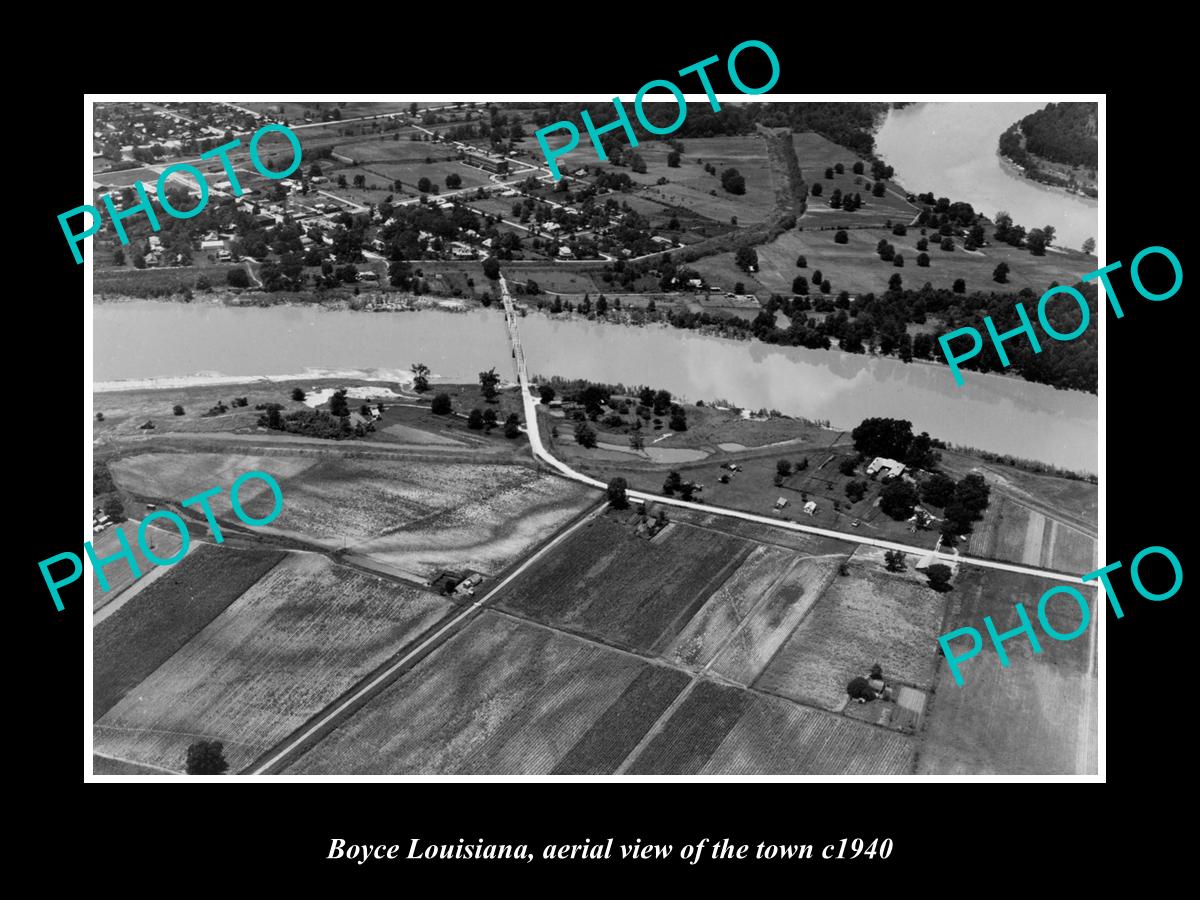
(888, 467)
(810, 508)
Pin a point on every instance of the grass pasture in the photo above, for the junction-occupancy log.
(608, 582)
(290, 645)
(1037, 716)
(144, 633)
(857, 268)
(501, 697)
(871, 616)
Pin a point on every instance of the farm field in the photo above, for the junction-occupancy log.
(501, 697)
(102, 765)
(176, 476)
(144, 633)
(871, 616)
(613, 736)
(710, 628)
(1035, 716)
(857, 268)
(772, 621)
(1012, 531)
(164, 542)
(727, 730)
(290, 645)
(624, 589)
(416, 518)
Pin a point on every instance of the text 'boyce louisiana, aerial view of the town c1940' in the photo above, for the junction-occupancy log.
(656, 469)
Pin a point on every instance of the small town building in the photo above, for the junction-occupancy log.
(810, 508)
(888, 468)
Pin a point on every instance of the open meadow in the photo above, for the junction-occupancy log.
(502, 697)
(286, 648)
(1038, 715)
(856, 267)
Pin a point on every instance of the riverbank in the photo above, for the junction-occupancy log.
(1016, 170)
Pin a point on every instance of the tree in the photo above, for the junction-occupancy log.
(938, 490)
(673, 159)
(238, 278)
(678, 420)
(733, 182)
(746, 258)
(475, 419)
(338, 405)
(894, 560)
(826, 286)
(420, 377)
(118, 257)
(923, 259)
(801, 261)
(453, 180)
(860, 689)
(939, 576)
(895, 282)
(817, 189)
(1089, 246)
(898, 261)
(947, 243)
(488, 381)
(616, 493)
(424, 185)
(840, 236)
(178, 410)
(800, 285)
(922, 244)
(512, 426)
(857, 168)
(784, 467)
(547, 394)
(879, 436)
(636, 441)
(960, 286)
(491, 268)
(206, 758)
(855, 490)
(687, 490)
(440, 405)
(585, 435)
(898, 499)
(828, 172)
(1000, 273)
(1036, 242)
(672, 483)
(848, 465)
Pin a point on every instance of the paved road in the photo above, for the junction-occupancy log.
(540, 451)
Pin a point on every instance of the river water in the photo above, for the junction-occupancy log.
(950, 149)
(150, 339)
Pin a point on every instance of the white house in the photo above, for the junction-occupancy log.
(810, 508)
(889, 468)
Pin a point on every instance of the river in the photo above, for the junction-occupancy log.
(150, 339)
(950, 149)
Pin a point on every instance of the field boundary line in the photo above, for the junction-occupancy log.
(825, 583)
(767, 595)
(654, 730)
(133, 762)
(332, 716)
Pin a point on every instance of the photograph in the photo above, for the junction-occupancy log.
(753, 435)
